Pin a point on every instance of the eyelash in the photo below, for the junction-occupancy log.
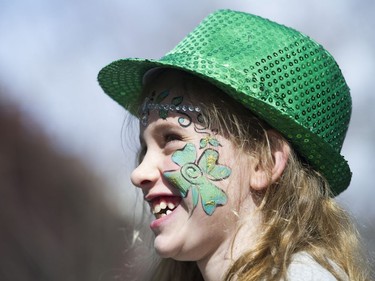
(171, 138)
(168, 138)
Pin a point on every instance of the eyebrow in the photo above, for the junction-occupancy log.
(161, 125)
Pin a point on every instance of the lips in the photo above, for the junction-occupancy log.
(164, 205)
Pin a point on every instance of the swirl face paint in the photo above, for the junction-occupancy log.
(199, 168)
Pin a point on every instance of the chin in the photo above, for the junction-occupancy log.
(165, 249)
(175, 253)
(162, 253)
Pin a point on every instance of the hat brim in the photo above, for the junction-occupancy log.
(122, 81)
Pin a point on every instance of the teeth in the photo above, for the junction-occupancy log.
(157, 209)
(163, 205)
(163, 208)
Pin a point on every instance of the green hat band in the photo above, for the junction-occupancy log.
(281, 75)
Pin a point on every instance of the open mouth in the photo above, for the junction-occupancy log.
(164, 205)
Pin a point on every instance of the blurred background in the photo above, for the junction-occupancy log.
(51, 52)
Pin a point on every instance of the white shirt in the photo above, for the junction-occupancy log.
(304, 268)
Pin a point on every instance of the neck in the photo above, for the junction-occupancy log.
(215, 266)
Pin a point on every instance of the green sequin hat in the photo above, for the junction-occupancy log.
(281, 75)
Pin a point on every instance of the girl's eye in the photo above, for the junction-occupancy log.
(171, 137)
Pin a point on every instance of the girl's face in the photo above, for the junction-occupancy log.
(190, 175)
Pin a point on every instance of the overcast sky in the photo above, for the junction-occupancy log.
(51, 52)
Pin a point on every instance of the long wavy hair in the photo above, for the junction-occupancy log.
(298, 212)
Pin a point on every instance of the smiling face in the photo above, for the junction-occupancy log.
(189, 174)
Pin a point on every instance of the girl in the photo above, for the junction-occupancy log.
(241, 127)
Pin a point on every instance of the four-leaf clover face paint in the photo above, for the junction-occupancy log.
(199, 168)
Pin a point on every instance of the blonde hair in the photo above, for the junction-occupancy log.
(298, 212)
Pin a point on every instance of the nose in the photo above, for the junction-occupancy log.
(146, 174)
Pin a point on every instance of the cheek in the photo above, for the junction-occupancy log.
(237, 186)
(168, 163)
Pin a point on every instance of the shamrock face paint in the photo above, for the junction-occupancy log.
(197, 176)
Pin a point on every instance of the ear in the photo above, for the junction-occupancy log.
(265, 174)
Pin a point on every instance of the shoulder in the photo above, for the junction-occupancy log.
(304, 267)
